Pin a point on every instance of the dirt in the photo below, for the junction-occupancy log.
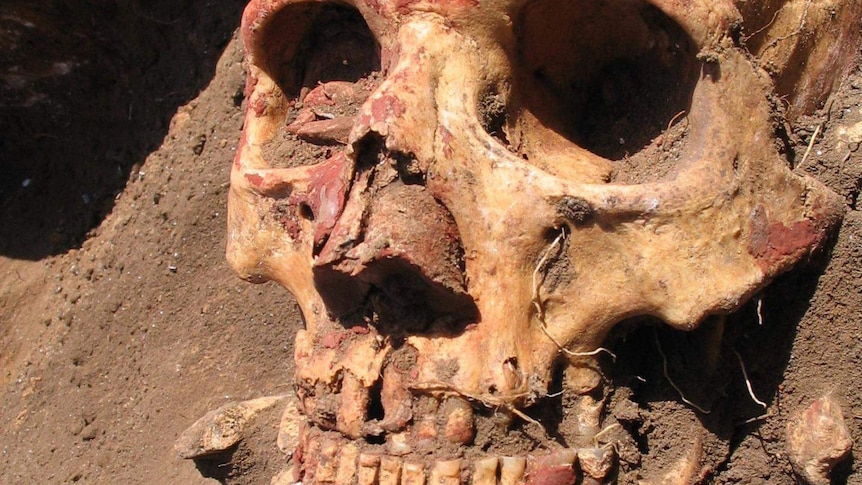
(121, 323)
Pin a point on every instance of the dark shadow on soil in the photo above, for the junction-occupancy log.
(703, 363)
(87, 91)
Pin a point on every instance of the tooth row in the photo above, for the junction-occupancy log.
(343, 464)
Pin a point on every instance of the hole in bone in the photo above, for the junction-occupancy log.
(608, 76)
(307, 43)
(305, 212)
(492, 109)
(325, 62)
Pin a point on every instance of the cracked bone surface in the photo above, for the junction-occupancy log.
(445, 187)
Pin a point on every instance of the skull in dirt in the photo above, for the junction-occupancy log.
(466, 196)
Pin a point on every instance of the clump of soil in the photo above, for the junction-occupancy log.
(121, 323)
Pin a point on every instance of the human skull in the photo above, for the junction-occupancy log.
(455, 192)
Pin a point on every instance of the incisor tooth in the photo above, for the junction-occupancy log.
(485, 471)
(368, 469)
(512, 469)
(446, 473)
(390, 470)
(413, 474)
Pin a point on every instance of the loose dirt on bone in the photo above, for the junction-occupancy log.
(115, 340)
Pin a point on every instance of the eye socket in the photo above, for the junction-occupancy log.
(608, 75)
(305, 44)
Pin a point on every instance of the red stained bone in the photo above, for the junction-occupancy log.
(408, 234)
(335, 130)
(776, 245)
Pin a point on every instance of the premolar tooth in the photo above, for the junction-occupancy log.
(485, 471)
(459, 421)
(347, 464)
(399, 444)
(425, 429)
(327, 466)
(412, 474)
(396, 399)
(390, 470)
(512, 469)
(596, 464)
(446, 472)
(369, 466)
(589, 412)
(557, 467)
(353, 406)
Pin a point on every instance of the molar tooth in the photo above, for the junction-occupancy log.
(459, 421)
(390, 470)
(512, 469)
(412, 474)
(368, 469)
(485, 471)
(347, 464)
(596, 464)
(446, 472)
(353, 406)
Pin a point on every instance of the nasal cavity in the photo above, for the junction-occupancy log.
(408, 268)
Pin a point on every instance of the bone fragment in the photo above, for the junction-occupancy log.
(817, 440)
(347, 468)
(331, 131)
(369, 466)
(222, 428)
(596, 463)
(284, 477)
(512, 469)
(390, 470)
(413, 474)
(583, 377)
(288, 427)
(446, 472)
(459, 421)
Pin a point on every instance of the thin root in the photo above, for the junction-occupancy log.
(669, 125)
(748, 382)
(669, 380)
(540, 309)
(760, 311)
(810, 145)
(603, 431)
(794, 33)
(488, 401)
